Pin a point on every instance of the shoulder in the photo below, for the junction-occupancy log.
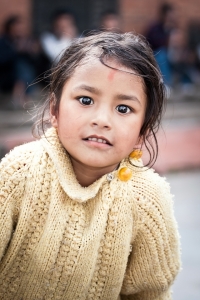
(146, 183)
(15, 168)
(14, 171)
(149, 181)
(152, 192)
(20, 157)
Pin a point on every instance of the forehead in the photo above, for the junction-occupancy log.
(112, 66)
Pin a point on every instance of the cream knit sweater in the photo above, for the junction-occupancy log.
(111, 240)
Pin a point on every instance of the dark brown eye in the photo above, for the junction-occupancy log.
(86, 101)
(123, 109)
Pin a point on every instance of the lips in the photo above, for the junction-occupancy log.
(98, 139)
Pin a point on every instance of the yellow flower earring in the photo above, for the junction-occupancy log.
(124, 174)
(136, 154)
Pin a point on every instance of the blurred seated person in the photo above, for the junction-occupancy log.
(63, 31)
(19, 54)
(158, 36)
(193, 34)
(182, 61)
(8, 56)
(110, 21)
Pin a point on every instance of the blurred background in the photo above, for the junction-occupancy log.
(34, 32)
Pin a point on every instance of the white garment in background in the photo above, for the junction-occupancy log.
(53, 46)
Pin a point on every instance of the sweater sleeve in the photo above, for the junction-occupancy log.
(155, 258)
(13, 171)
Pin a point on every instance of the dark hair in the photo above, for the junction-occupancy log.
(165, 8)
(62, 12)
(8, 24)
(108, 12)
(131, 51)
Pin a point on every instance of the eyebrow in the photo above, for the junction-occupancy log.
(98, 92)
(127, 97)
(88, 88)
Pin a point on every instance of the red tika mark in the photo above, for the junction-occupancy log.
(111, 75)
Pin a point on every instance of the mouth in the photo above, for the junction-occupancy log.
(98, 139)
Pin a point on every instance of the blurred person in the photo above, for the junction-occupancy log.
(63, 31)
(8, 55)
(182, 62)
(19, 53)
(110, 21)
(194, 41)
(158, 36)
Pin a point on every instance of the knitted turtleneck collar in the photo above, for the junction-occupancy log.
(65, 170)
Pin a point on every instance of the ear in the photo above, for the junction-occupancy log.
(54, 121)
(139, 141)
(53, 115)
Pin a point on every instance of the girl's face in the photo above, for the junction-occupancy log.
(100, 115)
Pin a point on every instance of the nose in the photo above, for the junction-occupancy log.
(101, 119)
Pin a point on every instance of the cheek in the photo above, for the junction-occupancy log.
(129, 138)
(126, 141)
(69, 123)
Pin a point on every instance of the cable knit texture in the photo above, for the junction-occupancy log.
(58, 240)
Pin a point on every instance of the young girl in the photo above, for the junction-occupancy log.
(81, 217)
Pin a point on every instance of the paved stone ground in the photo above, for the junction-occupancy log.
(179, 138)
(185, 186)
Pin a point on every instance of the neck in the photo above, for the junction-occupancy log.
(86, 175)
